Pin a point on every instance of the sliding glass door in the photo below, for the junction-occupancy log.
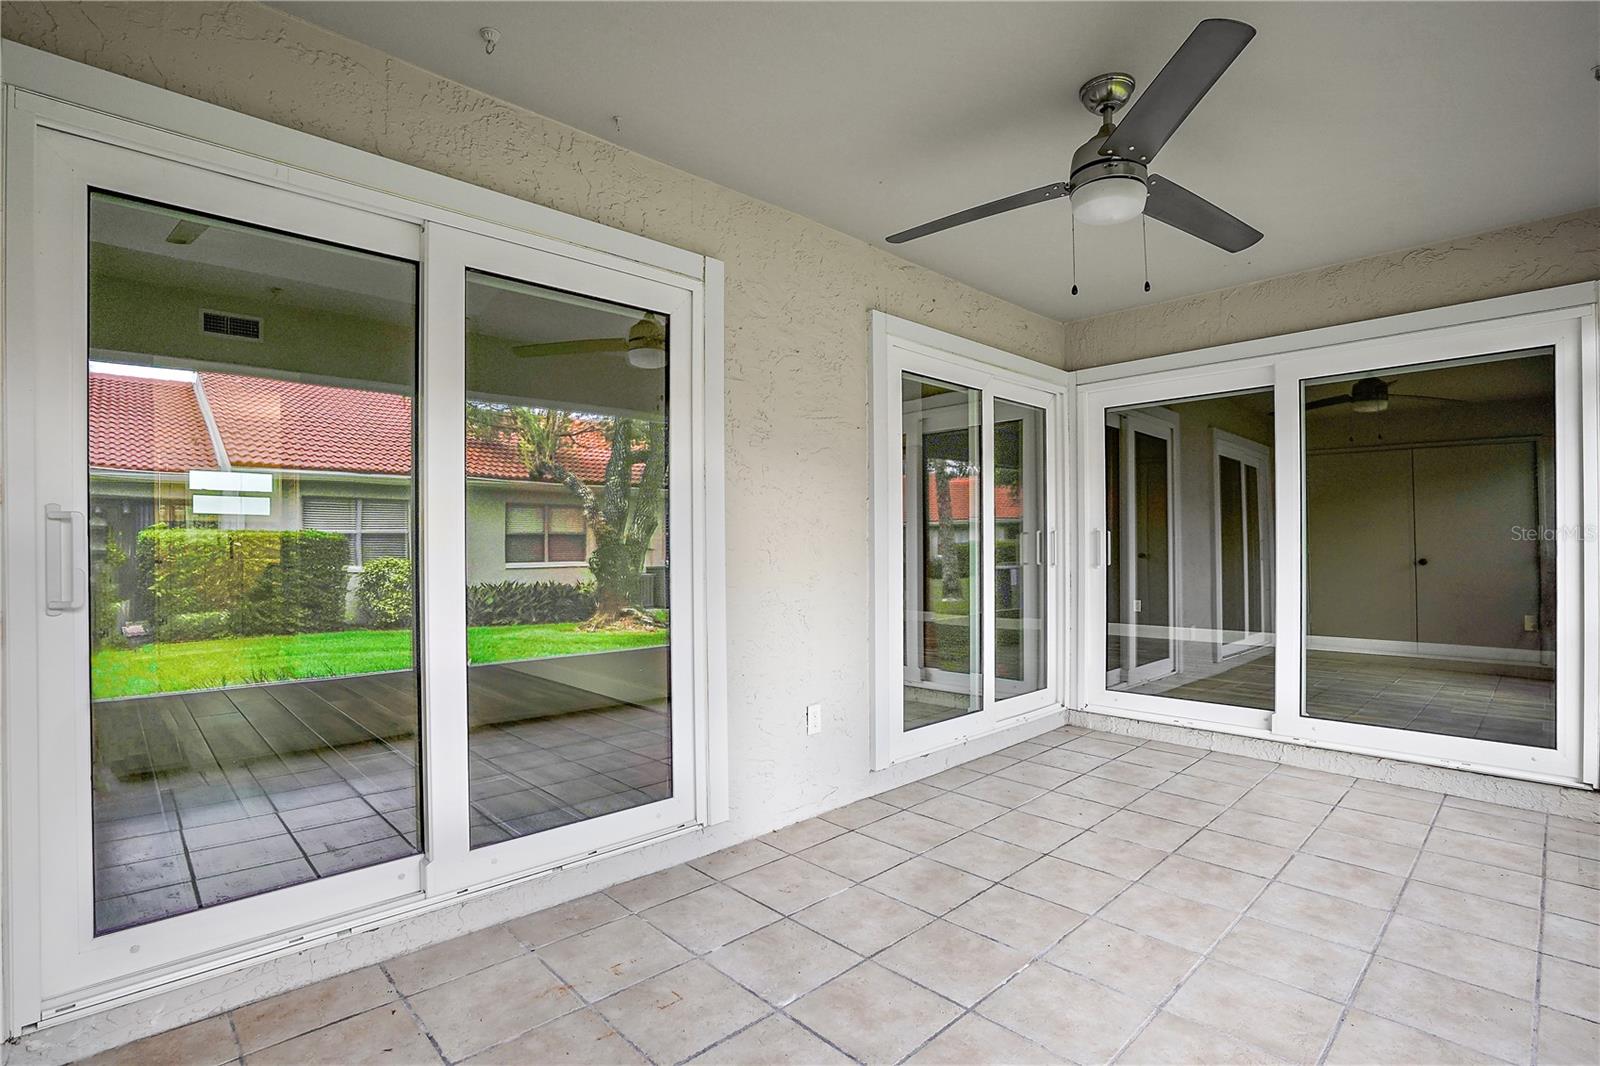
(971, 564)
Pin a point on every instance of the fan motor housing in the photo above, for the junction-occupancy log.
(1089, 165)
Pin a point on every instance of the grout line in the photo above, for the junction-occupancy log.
(405, 1004)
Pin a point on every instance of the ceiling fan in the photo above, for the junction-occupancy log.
(645, 345)
(1110, 182)
(1371, 395)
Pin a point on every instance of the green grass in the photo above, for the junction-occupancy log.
(198, 664)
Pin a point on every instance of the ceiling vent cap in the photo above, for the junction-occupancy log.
(234, 327)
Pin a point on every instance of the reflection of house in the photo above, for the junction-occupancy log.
(335, 458)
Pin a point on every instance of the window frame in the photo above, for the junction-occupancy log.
(359, 530)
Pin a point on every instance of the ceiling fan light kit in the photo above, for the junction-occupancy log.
(1110, 182)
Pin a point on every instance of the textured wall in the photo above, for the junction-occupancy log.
(1534, 255)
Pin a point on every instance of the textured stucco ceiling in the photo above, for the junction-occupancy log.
(1344, 130)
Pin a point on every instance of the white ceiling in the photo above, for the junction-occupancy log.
(1343, 130)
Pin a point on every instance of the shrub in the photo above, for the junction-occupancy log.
(383, 593)
(267, 581)
(103, 595)
(520, 603)
(199, 625)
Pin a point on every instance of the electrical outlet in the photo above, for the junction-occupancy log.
(1530, 624)
(813, 719)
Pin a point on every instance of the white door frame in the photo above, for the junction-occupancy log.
(1250, 456)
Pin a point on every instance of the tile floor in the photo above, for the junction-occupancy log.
(205, 797)
(1080, 898)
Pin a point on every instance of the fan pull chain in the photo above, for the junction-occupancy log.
(1144, 240)
(1072, 241)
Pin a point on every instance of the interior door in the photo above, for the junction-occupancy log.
(1021, 503)
(1360, 547)
(1148, 495)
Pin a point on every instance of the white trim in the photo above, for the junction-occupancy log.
(1247, 453)
(1410, 649)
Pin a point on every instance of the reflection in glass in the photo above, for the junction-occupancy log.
(1430, 556)
(1020, 549)
(1190, 481)
(568, 693)
(254, 694)
(942, 511)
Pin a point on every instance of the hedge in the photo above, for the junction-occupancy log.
(383, 593)
(524, 603)
(266, 581)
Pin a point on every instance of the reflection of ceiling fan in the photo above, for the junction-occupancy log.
(1109, 182)
(645, 345)
(1370, 395)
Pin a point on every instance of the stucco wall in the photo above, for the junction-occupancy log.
(1534, 255)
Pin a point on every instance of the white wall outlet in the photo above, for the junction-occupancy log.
(1530, 623)
(813, 719)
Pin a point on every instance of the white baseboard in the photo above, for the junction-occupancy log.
(1464, 653)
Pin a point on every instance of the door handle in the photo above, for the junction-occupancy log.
(1096, 546)
(66, 582)
(1422, 562)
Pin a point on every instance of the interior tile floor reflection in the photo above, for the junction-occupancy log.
(1082, 897)
(206, 797)
(1386, 690)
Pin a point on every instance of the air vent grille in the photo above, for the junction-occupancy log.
(239, 327)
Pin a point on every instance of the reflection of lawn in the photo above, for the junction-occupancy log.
(198, 664)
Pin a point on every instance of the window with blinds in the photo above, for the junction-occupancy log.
(538, 533)
(373, 527)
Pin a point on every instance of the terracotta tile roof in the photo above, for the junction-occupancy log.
(1007, 504)
(146, 424)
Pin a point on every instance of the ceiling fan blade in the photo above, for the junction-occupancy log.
(1420, 396)
(1191, 72)
(583, 347)
(1052, 191)
(1179, 208)
(1331, 401)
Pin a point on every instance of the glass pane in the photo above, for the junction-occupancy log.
(1431, 549)
(1020, 549)
(942, 511)
(568, 683)
(254, 702)
(1184, 482)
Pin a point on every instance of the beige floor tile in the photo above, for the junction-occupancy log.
(773, 1041)
(1483, 1020)
(1514, 830)
(1573, 842)
(566, 919)
(1567, 1041)
(1205, 882)
(642, 893)
(492, 1005)
(1400, 831)
(1573, 869)
(443, 962)
(954, 777)
(709, 917)
(1236, 853)
(1213, 769)
(1156, 833)
(1005, 792)
(582, 1038)
(928, 885)
(1371, 888)
(914, 793)
(1029, 831)
(1477, 878)
(1505, 922)
(1191, 925)
(855, 856)
(1263, 801)
(976, 1039)
(1017, 919)
(863, 920)
(1137, 965)
(386, 1034)
(1574, 901)
(1570, 987)
(1519, 857)
(1365, 1039)
(612, 957)
(1170, 1040)
(730, 862)
(1068, 809)
(1284, 1021)
(1109, 854)
(686, 1009)
(789, 884)
(988, 764)
(1292, 957)
(1037, 774)
(989, 858)
(1284, 782)
(1076, 762)
(914, 832)
(269, 1021)
(1099, 1022)
(1102, 790)
(1361, 851)
(1463, 956)
(1067, 883)
(954, 962)
(208, 1042)
(1421, 811)
(782, 961)
(1571, 939)
(1329, 917)
(813, 831)
(1131, 773)
(853, 816)
(1151, 755)
(961, 811)
(1204, 789)
(1176, 808)
(873, 1014)
(1498, 810)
